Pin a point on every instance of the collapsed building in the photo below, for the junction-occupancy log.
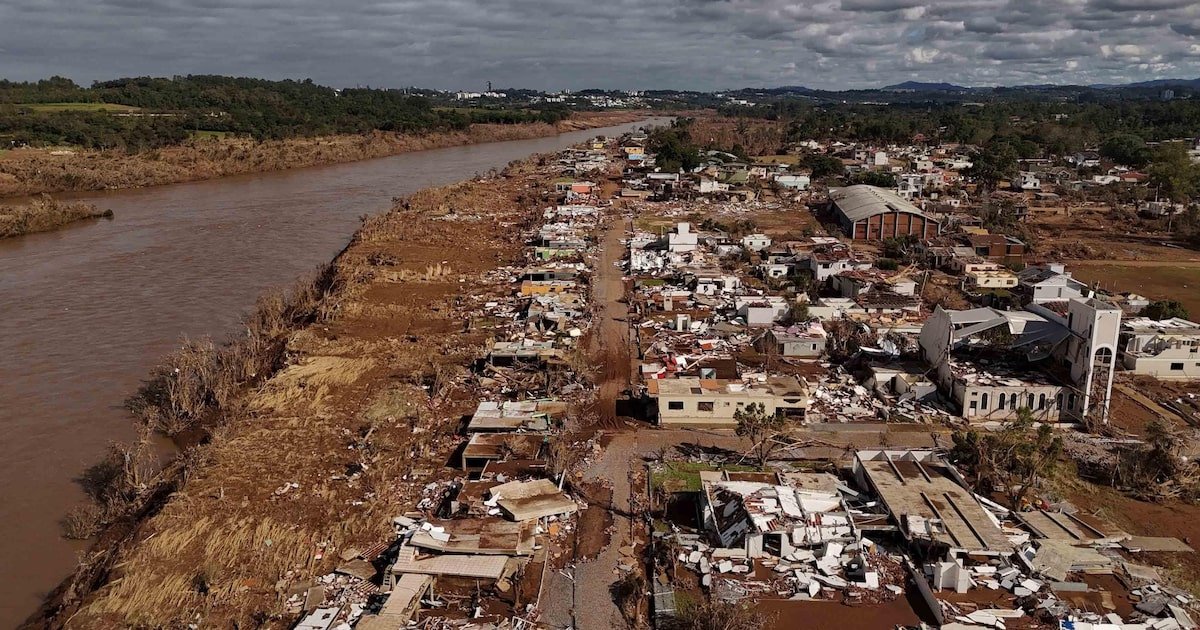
(774, 513)
(993, 363)
(1167, 349)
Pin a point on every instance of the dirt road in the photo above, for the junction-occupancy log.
(580, 596)
(1133, 263)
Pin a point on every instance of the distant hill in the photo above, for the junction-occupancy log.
(1156, 83)
(918, 86)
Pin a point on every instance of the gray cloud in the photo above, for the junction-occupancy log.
(551, 44)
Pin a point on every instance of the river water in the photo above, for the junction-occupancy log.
(86, 311)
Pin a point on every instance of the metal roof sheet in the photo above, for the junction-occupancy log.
(861, 201)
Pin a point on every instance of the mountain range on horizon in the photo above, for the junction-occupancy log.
(924, 86)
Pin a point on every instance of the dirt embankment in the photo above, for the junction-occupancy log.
(26, 172)
(45, 214)
(318, 457)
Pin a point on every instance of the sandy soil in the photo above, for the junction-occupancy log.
(1175, 280)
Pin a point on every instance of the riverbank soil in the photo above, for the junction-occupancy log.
(90, 309)
(327, 451)
(25, 172)
(43, 215)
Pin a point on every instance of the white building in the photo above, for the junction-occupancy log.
(828, 261)
(683, 239)
(761, 310)
(1167, 349)
(1050, 283)
(989, 362)
(794, 182)
(756, 242)
(709, 403)
(1029, 181)
(979, 279)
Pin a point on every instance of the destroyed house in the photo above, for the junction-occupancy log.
(559, 249)
(992, 363)
(999, 248)
(488, 447)
(712, 403)
(525, 415)
(402, 605)
(542, 287)
(490, 536)
(526, 352)
(929, 503)
(857, 281)
(826, 261)
(553, 311)
(886, 302)
(1050, 283)
(531, 500)
(1166, 349)
(774, 513)
(549, 275)
(805, 341)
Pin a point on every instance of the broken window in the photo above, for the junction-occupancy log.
(704, 406)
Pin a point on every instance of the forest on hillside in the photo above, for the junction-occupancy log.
(1033, 128)
(138, 114)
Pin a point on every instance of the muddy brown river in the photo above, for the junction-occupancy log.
(85, 312)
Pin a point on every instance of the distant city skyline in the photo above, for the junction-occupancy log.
(707, 45)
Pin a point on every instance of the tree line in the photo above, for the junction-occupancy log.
(172, 109)
(1035, 128)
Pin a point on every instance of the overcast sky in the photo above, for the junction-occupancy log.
(629, 44)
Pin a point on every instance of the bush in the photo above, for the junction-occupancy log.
(716, 614)
(83, 521)
(1165, 309)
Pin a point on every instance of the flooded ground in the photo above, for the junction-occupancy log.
(85, 312)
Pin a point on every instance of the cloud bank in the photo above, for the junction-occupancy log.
(627, 44)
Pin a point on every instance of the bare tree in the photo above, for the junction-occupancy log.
(762, 429)
(716, 614)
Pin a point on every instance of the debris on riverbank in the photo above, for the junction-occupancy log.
(441, 305)
(45, 214)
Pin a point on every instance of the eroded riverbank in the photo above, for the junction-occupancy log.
(25, 172)
(90, 309)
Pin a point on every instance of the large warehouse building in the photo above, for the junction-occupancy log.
(868, 213)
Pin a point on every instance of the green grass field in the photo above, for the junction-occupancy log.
(78, 107)
(778, 159)
(685, 476)
(204, 134)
